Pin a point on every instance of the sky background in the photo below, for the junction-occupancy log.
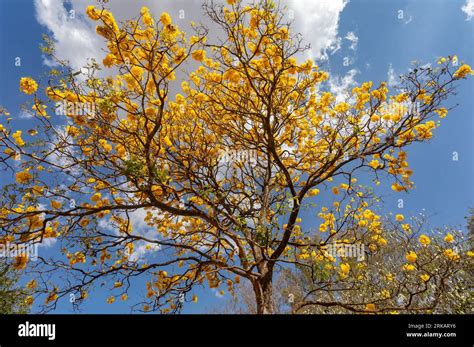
(379, 39)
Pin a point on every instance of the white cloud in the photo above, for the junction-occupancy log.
(48, 242)
(353, 39)
(24, 114)
(392, 77)
(218, 293)
(74, 38)
(318, 22)
(77, 41)
(341, 86)
(336, 46)
(468, 9)
(141, 228)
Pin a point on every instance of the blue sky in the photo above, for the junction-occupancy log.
(428, 30)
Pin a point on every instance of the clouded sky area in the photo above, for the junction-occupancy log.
(354, 40)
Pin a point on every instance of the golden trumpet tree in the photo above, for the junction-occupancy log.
(220, 160)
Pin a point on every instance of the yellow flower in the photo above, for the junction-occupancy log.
(424, 240)
(17, 136)
(323, 227)
(96, 197)
(335, 190)
(117, 284)
(105, 145)
(29, 300)
(167, 141)
(165, 19)
(408, 267)
(146, 17)
(199, 55)
(231, 2)
(411, 257)
(31, 284)
(374, 118)
(71, 130)
(78, 257)
(385, 294)
(136, 71)
(370, 307)
(23, 177)
(20, 261)
(56, 204)
(425, 277)
(51, 297)
(313, 192)
(121, 151)
(463, 71)
(28, 85)
(283, 33)
(345, 268)
(399, 217)
(110, 300)
(50, 232)
(442, 112)
(449, 238)
(109, 60)
(397, 187)
(84, 222)
(452, 255)
(124, 297)
(381, 241)
(195, 298)
(92, 13)
(374, 164)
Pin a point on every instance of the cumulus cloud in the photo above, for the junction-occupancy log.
(318, 21)
(24, 114)
(392, 77)
(353, 39)
(468, 9)
(141, 229)
(76, 40)
(341, 85)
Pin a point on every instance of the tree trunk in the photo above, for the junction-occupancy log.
(264, 294)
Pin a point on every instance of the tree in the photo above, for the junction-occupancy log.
(470, 221)
(430, 282)
(222, 168)
(434, 284)
(13, 299)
